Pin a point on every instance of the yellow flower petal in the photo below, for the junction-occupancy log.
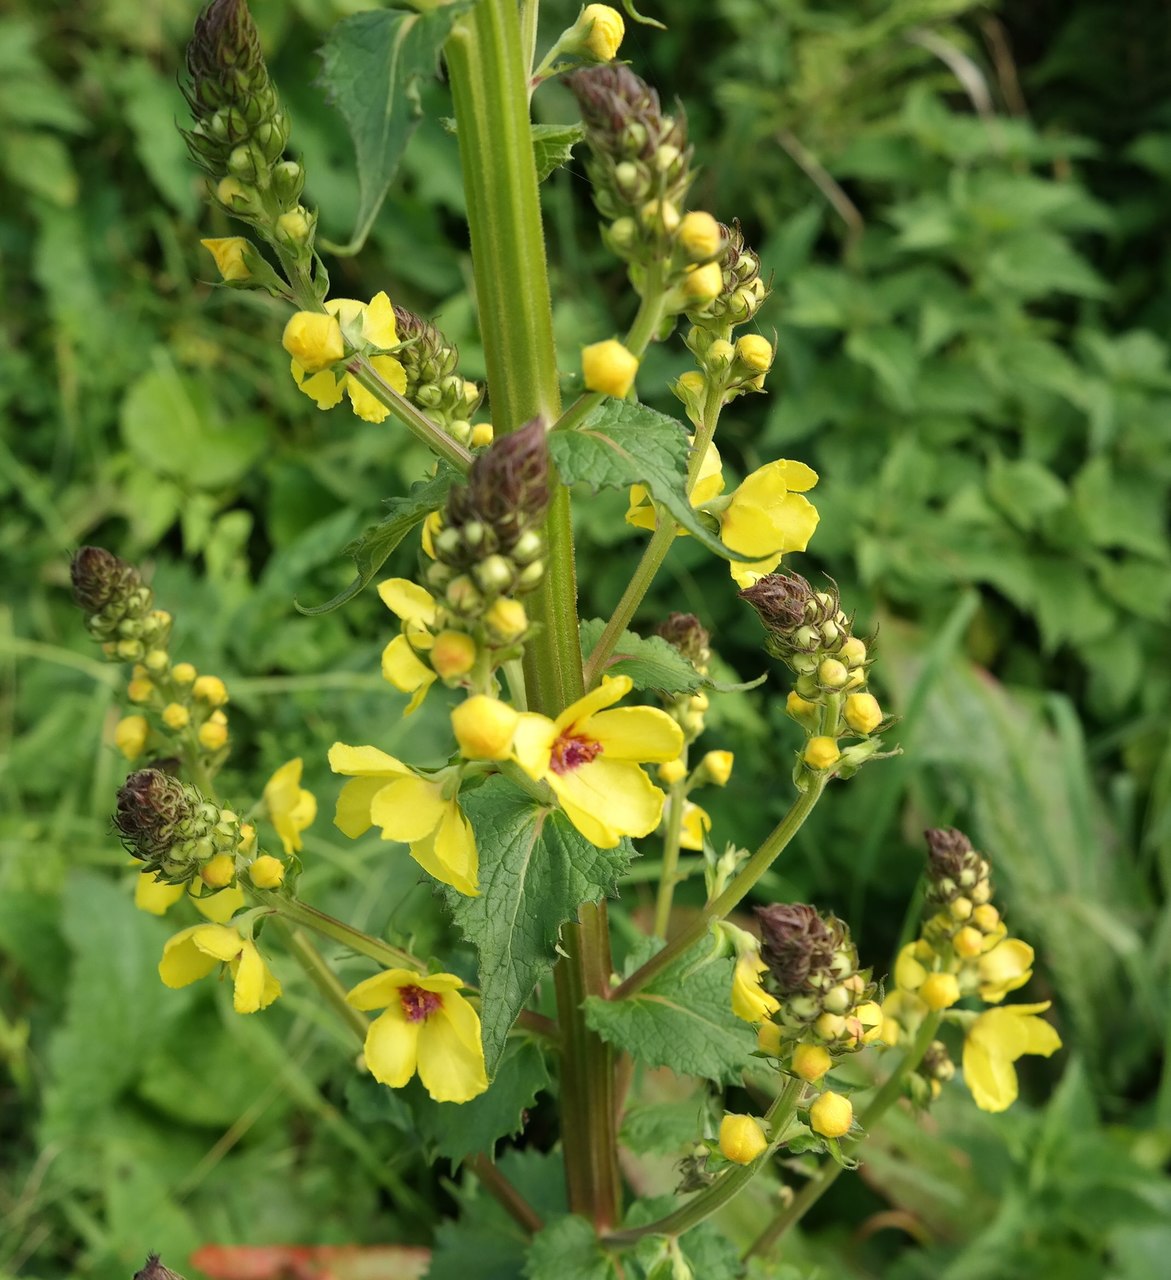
(365, 762)
(290, 807)
(408, 601)
(909, 973)
(402, 669)
(994, 1042)
(635, 733)
(255, 987)
(696, 824)
(155, 896)
(1008, 966)
(217, 940)
(366, 405)
(612, 689)
(352, 816)
(709, 483)
(408, 808)
(219, 907)
(378, 326)
(323, 387)
(532, 742)
(750, 1001)
(631, 803)
(392, 1046)
(451, 1058)
(183, 962)
(391, 372)
(381, 990)
(449, 852)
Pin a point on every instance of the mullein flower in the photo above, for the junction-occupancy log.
(291, 809)
(992, 1045)
(831, 1115)
(421, 812)
(157, 897)
(742, 1139)
(318, 341)
(591, 757)
(429, 364)
(697, 823)
(426, 1026)
(402, 666)
(195, 952)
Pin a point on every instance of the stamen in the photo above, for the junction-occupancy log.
(418, 1004)
(570, 753)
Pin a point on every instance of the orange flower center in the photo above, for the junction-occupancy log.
(418, 1004)
(570, 752)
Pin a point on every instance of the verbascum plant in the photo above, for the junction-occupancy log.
(574, 748)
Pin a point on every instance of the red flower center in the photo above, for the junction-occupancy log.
(418, 1004)
(570, 753)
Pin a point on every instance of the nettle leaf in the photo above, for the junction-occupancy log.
(459, 1131)
(623, 443)
(553, 146)
(682, 1019)
(569, 1249)
(535, 871)
(373, 63)
(661, 1128)
(371, 547)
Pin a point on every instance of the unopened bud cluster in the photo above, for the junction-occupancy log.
(169, 827)
(824, 999)
(240, 130)
(933, 1072)
(433, 385)
(809, 632)
(685, 632)
(178, 710)
(491, 546)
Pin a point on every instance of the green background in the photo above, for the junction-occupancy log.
(962, 210)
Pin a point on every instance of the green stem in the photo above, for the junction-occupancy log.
(330, 927)
(727, 1186)
(510, 1199)
(738, 888)
(656, 550)
(668, 877)
(488, 70)
(829, 1172)
(324, 979)
(417, 422)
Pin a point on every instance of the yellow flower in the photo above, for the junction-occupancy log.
(608, 367)
(863, 714)
(210, 689)
(387, 794)
(700, 236)
(401, 665)
(994, 1042)
(319, 341)
(750, 1000)
(767, 517)
(696, 824)
(709, 484)
(484, 727)
(157, 897)
(939, 990)
(831, 1115)
(130, 735)
(195, 952)
(1007, 966)
(742, 1139)
(821, 753)
(716, 766)
(266, 872)
(230, 254)
(590, 757)
(756, 352)
(603, 31)
(902, 1012)
(427, 1027)
(290, 807)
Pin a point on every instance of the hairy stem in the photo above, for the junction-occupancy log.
(828, 1173)
(417, 422)
(727, 1186)
(739, 887)
(488, 67)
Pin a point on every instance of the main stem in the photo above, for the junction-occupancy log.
(488, 69)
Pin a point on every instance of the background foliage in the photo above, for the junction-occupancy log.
(962, 210)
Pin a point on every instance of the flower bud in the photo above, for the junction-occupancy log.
(831, 1115)
(821, 753)
(266, 872)
(660, 215)
(296, 225)
(863, 714)
(810, 1062)
(599, 30)
(755, 352)
(482, 435)
(939, 990)
(702, 285)
(484, 728)
(671, 772)
(212, 735)
(210, 689)
(742, 1139)
(609, 368)
(832, 673)
(699, 236)
(507, 620)
(218, 872)
(176, 716)
(314, 339)
(452, 655)
(716, 766)
(140, 689)
(230, 254)
(768, 1039)
(130, 735)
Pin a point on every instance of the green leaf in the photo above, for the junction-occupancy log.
(682, 1019)
(1024, 490)
(373, 63)
(535, 871)
(568, 1249)
(459, 1131)
(891, 355)
(650, 661)
(553, 146)
(371, 547)
(661, 1128)
(623, 443)
(40, 163)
